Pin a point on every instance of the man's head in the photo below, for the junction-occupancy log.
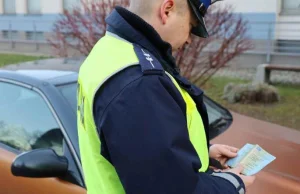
(174, 20)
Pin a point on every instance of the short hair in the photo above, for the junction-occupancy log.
(145, 7)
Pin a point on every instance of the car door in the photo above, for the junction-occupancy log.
(27, 123)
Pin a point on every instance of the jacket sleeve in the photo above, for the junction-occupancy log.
(145, 133)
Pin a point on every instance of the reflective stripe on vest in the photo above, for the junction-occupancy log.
(100, 175)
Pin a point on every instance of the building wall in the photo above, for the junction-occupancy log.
(288, 27)
(1, 6)
(253, 6)
(52, 7)
(21, 7)
(266, 18)
(48, 7)
(260, 14)
(22, 21)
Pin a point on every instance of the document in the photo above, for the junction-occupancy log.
(253, 158)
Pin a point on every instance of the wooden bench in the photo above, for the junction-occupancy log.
(263, 71)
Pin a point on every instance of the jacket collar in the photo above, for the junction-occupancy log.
(134, 29)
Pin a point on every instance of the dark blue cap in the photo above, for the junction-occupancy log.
(199, 8)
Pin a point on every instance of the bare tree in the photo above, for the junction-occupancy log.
(82, 27)
(200, 60)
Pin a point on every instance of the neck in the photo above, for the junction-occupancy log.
(151, 20)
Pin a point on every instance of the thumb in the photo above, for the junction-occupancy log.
(229, 153)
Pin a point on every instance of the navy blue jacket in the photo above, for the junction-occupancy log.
(141, 121)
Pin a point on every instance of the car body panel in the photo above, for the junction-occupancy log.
(20, 185)
(283, 174)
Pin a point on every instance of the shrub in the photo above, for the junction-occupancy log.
(250, 93)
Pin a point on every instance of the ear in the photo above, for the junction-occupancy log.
(166, 7)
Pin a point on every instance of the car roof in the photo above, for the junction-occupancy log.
(46, 75)
(56, 71)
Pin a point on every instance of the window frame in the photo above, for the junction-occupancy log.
(35, 35)
(9, 13)
(10, 34)
(291, 12)
(33, 13)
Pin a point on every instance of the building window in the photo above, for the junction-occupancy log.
(34, 6)
(70, 4)
(9, 6)
(37, 36)
(291, 7)
(10, 35)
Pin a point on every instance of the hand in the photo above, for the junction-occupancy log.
(222, 153)
(248, 180)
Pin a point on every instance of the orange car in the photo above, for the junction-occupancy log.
(38, 124)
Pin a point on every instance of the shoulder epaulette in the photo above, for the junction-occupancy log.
(149, 64)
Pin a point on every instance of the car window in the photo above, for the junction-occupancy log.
(213, 114)
(219, 118)
(69, 92)
(26, 122)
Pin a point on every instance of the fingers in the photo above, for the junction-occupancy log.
(238, 170)
(248, 180)
(229, 152)
(223, 162)
(232, 149)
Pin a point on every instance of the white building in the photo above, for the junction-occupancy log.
(271, 22)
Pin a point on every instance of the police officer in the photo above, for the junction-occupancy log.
(142, 127)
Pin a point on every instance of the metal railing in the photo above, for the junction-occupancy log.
(275, 38)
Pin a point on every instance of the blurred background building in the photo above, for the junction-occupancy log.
(26, 25)
(30, 19)
(272, 19)
(274, 27)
